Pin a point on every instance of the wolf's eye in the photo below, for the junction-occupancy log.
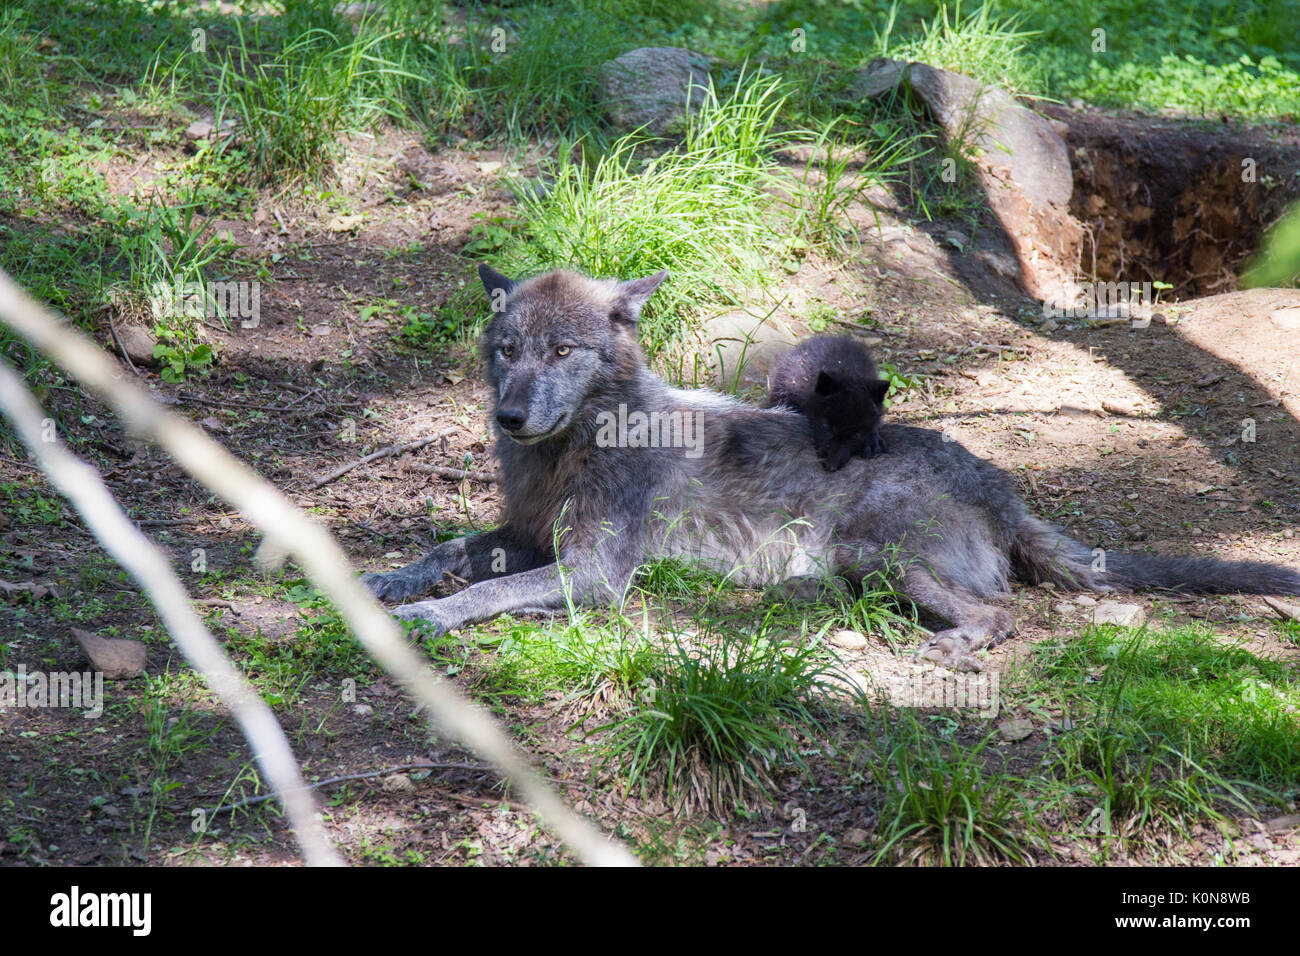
(561, 350)
(507, 351)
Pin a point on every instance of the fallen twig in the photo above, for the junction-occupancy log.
(387, 771)
(455, 474)
(112, 327)
(375, 456)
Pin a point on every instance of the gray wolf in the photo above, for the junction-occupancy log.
(586, 506)
(831, 380)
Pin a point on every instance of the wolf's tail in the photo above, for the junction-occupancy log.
(1042, 553)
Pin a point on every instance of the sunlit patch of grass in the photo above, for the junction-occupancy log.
(598, 666)
(1217, 703)
(698, 211)
(723, 717)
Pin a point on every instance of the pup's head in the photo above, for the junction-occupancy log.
(556, 343)
(842, 412)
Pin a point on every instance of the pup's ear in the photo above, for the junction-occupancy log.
(632, 295)
(827, 384)
(878, 390)
(496, 285)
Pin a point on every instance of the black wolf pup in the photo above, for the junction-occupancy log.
(831, 380)
(605, 466)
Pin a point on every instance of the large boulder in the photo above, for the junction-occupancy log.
(743, 344)
(648, 87)
(1023, 163)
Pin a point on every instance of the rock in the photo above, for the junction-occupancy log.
(742, 347)
(1119, 406)
(35, 590)
(880, 76)
(856, 836)
(647, 87)
(989, 119)
(1260, 842)
(849, 640)
(1085, 600)
(1016, 728)
(398, 783)
(138, 342)
(1125, 615)
(1290, 821)
(1288, 612)
(1023, 163)
(344, 223)
(356, 12)
(205, 128)
(118, 659)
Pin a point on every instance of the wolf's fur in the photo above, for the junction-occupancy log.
(831, 380)
(943, 525)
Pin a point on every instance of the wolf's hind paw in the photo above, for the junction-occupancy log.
(954, 649)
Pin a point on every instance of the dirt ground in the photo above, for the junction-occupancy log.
(1131, 438)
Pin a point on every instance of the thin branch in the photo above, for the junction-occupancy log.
(401, 768)
(112, 327)
(85, 489)
(376, 455)
(456, 474)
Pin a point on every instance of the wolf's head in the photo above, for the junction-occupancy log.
(558, 343)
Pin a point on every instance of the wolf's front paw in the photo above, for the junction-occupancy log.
(392, 585)
(427, 613)
(953, 649)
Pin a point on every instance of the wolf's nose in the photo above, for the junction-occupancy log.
(511, 419)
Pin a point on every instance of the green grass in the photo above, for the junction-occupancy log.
(169, 739)
(1218, 704)
(722, 717)
(978, 42)
(321, 646)
(700, 211)
(949, 804)
(1204, 57)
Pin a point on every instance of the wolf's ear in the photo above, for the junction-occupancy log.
(632, 295)
(496, 285)
(878, 390)
(826, 384)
